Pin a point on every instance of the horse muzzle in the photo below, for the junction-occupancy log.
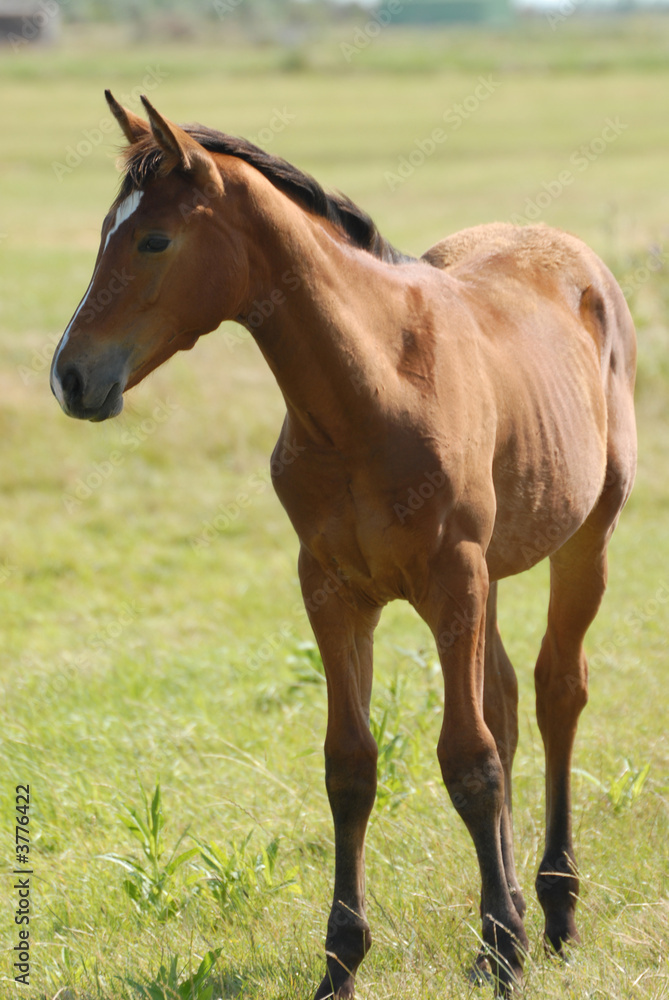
(86, 395)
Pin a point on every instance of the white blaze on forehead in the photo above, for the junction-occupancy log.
(123, 212)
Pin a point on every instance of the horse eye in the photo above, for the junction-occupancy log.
(154, 244)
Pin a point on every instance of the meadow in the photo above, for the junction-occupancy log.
(151, 635)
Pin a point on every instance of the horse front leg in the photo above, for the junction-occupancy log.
(500, 711)
(344, 635)
(470, 763)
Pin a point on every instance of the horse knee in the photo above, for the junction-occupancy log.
(350, 773)
(475, 782)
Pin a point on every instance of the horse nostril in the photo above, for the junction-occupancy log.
(73, 384)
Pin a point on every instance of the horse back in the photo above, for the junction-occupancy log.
(553, 263)
(564, 412)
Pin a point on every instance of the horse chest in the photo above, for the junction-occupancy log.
(339, 530)
(373, 528)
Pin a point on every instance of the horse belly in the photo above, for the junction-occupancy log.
(540, 507)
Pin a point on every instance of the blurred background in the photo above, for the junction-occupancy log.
(150, 625)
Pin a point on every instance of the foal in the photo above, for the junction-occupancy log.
(492, 378)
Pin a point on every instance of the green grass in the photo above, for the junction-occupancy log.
(131, 655)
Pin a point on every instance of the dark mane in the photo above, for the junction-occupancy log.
(144, 158)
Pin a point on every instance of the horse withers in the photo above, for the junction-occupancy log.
(492, 379)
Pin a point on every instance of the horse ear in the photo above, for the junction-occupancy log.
(132, 125)
(183, 151)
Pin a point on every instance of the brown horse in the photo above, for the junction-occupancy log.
(456, 419)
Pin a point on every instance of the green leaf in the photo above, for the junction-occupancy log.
(180, 860)
(131, 890)
(128, 863)
(589, 777)
(639, 782)
(156, 818)
(204, 969)
(617, 789)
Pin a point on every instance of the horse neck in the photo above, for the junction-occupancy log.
(327, 318)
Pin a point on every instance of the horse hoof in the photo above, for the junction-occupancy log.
(505, 950)
(479, 973)
(329, 991)
(561, 942)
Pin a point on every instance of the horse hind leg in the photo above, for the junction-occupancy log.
(578, 582)
(500, 711)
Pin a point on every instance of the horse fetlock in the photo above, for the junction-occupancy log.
(349, 937)
(347, 942)
(557, 888)
(557, 882)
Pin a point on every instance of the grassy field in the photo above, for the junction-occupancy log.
(150, 623)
